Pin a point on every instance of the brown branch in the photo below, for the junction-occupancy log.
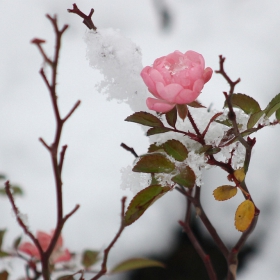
(87, 19)
(103, 269)
(129, 149)
(19, 220)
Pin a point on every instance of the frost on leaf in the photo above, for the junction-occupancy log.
(224, 192)
(244, 215)
(175, 149)
(185, 178)
(154, 163)
(142, 201)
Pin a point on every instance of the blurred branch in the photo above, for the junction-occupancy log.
(57, 163)
(103, 269)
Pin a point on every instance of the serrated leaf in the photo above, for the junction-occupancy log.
(16, 243)
(196, 104)
(244, 215)
(224, 192)
(185, 178)
(2, 233)
(157, 130)
(175, 149)
(4, 275)
(171, 117)
(254, 118)
(154, 163)
(142, 201)
(239, 174)
(246, 103)
(135, 263)
(4, 254)
(89, 258)
(145, 119)
(273, 106)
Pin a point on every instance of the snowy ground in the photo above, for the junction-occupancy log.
(246, 32)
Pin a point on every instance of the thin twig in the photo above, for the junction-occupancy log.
(103, 269)
(129, 149)
(87, 19)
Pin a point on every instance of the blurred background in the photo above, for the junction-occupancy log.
(246, 32)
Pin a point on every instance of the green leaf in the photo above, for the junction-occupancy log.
(277, 114)
(16, 190)
(4, 275)
(135, 264)
(154, 163)
(142, 201)
(145, 119)
(154, 148)
(2, 233)
(185, 178)
(2, 177)
(273, 106)
(196, 104)
(2, 191)
(254, 119)
(4, 254)
(246, 103)
(171, 117)
(17, 242)
(175, 149)
(226, 122)
(209, 150)
(157, 130)
(89, 258)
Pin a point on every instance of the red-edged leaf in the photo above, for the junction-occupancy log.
(157, 130)
(145, 119)
(185, 178)
(171, 117)
(175, 149)
(142, 201)
(154, 163)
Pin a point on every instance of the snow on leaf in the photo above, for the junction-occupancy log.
(154, 163)
(186, 177)
(175, 149)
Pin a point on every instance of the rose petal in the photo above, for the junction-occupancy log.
(29, 249)
(44, 239)
(207, 74)
(159, 105)
(168, 92)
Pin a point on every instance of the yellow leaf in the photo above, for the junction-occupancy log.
(244, 215)
(224, 192)
(239, 174)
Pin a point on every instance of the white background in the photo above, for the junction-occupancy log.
(246, 32)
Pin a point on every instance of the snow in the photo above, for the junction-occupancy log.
(246, 32)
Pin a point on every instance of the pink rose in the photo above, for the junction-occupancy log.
(175, 79)
(58, 254)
